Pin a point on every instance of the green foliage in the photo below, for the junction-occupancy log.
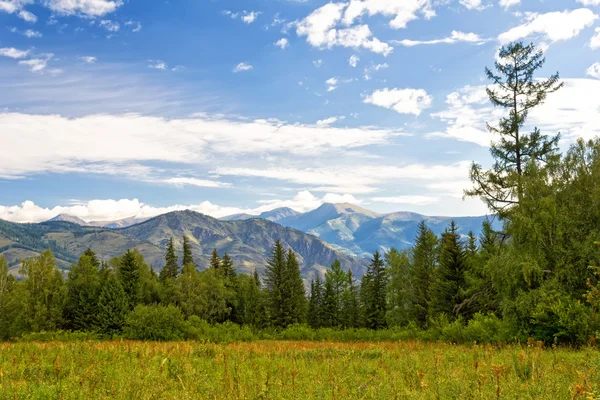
(188, 257)
(400, 288)
(315, 303)
(83, 288)
(424, 263)
(113, 306)
(373, 294)
(155, 322)
(171, 268)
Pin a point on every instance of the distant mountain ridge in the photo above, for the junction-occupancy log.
(360, 232)
(248, 242)
(119, 223)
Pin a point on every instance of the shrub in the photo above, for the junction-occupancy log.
(155, 322)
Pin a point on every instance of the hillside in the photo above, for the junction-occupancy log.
(249, 242)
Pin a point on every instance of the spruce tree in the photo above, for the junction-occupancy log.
(83, 288)
(257, 279)
(171, 268)
(424, 260)
(274, 282)
(215, 261)
(350, 312)
(515, 88)
(373, 294)
(335, 281)
(128, 272)
(188, 257)
(112, 307)
(228, 269)
(315, 304)
(295, 294)
(448, 289)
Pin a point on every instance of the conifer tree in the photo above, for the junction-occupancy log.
(335, 281)
(188, 257)
(83, 288)
(171, 268)
(128, 272)
(275, 280)
(191, 300)
(373, 294)
(257, 279)
(113, 306)
(400, 287)
(424, 259)
(296, 294)
(7, 300)
(448, 289)
(350, 313)
(228, 269)
(215, 261)
(515, 88)
(315, 303)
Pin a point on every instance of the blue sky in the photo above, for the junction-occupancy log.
(110, 109)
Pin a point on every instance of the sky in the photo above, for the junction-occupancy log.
(111, 108)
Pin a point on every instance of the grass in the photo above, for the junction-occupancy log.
(294, 370)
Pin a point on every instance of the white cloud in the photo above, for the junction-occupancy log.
(508, 3)
(282, 43)
(408, 199)
(157, 64)
(353, 60)
(595, 40)
(119, 144)
(13, 53)
(110, 26)
(27, 16)
(403, 101)
(250, 17)
(318, 63)
(401, 12)
(594, 70)
(11, 6)
(37, 64)
(589, 2)
(331, 84)
(111, 210)
(138, 26)
(230, 14)
(454, 37)
(358, 179)
(329, 121)
(555, 26)
(182, 181)
(87, 8)
(319, 29)
(472, 4)
(32, 34)
(241, 67)
(570, 111)
(88, 59)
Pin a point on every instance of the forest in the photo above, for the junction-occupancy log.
(538, 278)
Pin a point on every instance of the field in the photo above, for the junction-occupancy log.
(301, 370)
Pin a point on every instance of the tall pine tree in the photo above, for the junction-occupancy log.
(83, 288)
(424, 261)
(171, 268)
(112, 306)
(188, 257)
(373, 294)
(315, 303)
(128, 272)
(215, 261)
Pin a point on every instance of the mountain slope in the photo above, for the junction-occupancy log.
(69, 218)
(249, 242)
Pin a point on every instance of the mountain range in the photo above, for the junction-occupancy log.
(249, 242)
(360, 232)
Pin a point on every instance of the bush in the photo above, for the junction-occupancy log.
(57, 336)
(228, 332)
(155, 322)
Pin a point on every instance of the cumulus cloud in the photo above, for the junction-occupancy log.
(110, 210)
(329, 121)
(472, 4)
(88, 59)
(401, 12)
(38, 64)
(110, 26)
(27, 16)
(116, 144)
(595, 40)
(594, 70)
(241, 67)
(87, 8)
(250, 17)
(353, 60)
(554, 26)
(570, 111)
(455, 37)
(137, 28)
(318, 63)
(282, 43)
(13, 53)
(403, 101)
(157, 64)
(589, 2)
(331, 84)
(11, 6)
(319, 29)
(506, 4)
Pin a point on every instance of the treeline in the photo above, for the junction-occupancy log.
(537, 277)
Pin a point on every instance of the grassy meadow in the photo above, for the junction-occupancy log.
(294, 370)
